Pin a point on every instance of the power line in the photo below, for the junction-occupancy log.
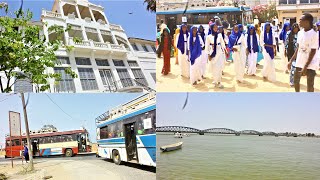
(59, 107)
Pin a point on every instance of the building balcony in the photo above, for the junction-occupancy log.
(297, 4)
(115, 27)
(51, 14)
(98, 46)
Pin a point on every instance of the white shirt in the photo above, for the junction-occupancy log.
(210, 41)
(274, 29)
(185, 42)
(307, 41)
(162, 26)
(262, 39)
(194, 39)
(251, 40)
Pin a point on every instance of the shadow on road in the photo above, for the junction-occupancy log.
(137, 166)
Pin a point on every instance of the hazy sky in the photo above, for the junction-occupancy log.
(140, 23)
(83, 108)
(278, 112)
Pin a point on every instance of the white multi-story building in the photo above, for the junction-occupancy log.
(102, 57)
(292, 10)
(145, 50)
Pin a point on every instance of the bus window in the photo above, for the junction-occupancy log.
(16, 142)
(111, 131)
(119, 129)
(8, 143)
(104, 132)
(140, 128)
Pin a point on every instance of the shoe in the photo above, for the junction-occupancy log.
(195, 83)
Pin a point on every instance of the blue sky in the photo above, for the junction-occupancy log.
(141, 23)
(278, 112)
(83, 108)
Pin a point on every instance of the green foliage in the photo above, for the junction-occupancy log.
(265, 12)
(151, 5)
(27, 52)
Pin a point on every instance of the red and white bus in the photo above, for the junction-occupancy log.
(68, 143)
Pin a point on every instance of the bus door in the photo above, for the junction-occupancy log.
(35, 147)
(131, 141)
(81, 138)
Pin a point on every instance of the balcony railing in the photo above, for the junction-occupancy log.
(92, 44)
(116, 27)
(46, 13)
(83, 43)
(128, 85)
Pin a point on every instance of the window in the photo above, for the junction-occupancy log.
(154, 76)
(133, 64)
(108, 79)
(141, 120)
(87, 78)
(102, 62)
(124, 77)
(145, 48)
(135, 47)
(117, 62)
(104, 132)
(83, 61)
(66, 84)
(138, 75)
(63, 60)
(154, 49)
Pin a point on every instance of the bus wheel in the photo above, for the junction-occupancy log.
(69, 153)
(116, 157)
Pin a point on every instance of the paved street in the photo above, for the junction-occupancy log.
(173, 82)
(81, 167)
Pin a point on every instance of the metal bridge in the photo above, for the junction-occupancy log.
(184, 129)
(177, 129)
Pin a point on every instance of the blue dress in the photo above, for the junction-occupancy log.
(260, 55)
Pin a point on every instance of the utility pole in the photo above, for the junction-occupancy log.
(27, 131)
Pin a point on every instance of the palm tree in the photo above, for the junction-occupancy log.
(151, 5)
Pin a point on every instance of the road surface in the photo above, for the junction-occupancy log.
(82, 167)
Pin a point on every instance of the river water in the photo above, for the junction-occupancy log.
(239, 157)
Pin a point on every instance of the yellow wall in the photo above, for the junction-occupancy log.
(296, 15)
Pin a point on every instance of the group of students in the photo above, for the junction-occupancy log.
(196, 50)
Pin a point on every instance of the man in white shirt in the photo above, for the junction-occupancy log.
(275, 30)
(306, 61)
(162, 25)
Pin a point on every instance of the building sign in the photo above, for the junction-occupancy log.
(23, 85)
(14, 123)
(184, 19)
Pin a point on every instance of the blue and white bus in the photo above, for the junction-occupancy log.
(127, 133)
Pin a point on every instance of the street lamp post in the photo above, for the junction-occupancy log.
(27, 131)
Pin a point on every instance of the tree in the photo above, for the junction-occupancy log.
(24, 53)
(151, 5)
(265, 12)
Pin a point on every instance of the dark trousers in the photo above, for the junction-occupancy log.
(310, 79)
(277, 43)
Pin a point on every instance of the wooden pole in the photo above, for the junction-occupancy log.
(27, 131)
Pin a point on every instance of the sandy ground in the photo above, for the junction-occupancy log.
(173, 82)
